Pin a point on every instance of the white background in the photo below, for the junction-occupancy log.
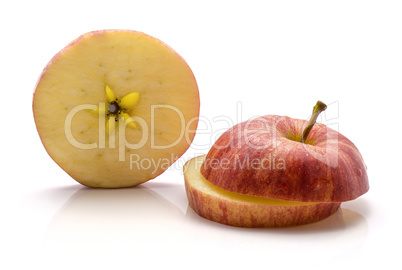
(250, 58)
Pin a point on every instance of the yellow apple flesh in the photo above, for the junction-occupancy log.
(82, 142)
(230, 208)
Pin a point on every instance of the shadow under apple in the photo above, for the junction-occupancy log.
(139, 223)
(337, 237)
(93, 217)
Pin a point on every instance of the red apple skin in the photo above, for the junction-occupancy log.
(251, 215)
(327, 168)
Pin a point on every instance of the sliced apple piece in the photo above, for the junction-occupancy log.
(116, 108)
(219, 205)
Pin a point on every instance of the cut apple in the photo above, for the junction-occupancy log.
(116, 108)
(219, 205)
(276, 171)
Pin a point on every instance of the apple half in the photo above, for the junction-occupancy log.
(259, 174)
(116, 108)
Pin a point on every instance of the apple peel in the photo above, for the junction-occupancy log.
(264, 157)
(240, 210)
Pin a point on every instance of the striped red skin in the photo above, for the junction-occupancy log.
(261, 157)
(251, 215)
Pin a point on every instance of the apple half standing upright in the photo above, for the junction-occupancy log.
(275, 171)
(116, 108)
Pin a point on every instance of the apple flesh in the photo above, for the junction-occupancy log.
(159, 123)
(219, 205)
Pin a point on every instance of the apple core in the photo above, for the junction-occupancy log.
(113, 108)
(117, 109)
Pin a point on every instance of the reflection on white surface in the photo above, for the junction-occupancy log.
(93, 217)
(339, 236)
(141, 221)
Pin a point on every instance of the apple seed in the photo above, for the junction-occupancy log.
(113, 108)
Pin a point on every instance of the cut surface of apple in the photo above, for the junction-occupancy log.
(116, 108)
(219, 205)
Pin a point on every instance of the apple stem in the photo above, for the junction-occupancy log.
(318, 108)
